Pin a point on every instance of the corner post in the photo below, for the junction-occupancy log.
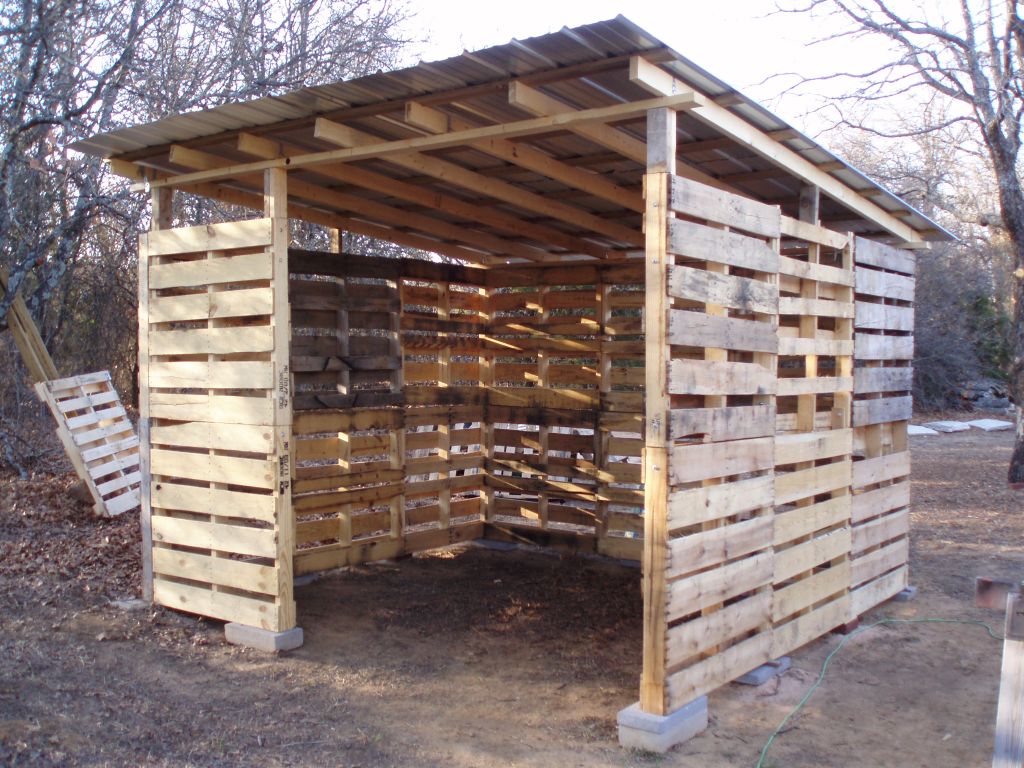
(661, 164)
(275, 201)
(162, 217)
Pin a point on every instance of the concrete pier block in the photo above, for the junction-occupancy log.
(765, 672)
(263, 639)
(659, 733)
(907, 594)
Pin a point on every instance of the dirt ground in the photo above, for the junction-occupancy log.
(476, 657)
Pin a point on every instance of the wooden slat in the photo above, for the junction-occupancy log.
(713, 378)
(689, 463)
(883, 317)
(880, 469)
(202, 306)
(703, 202)
(171, 496)
(742, 293)
(212, 341)
(884, 285)
(869, 380)
(727, 423)
(250, 577)
(870, 347)
(701, 505)
(696, 329)
(687, 640)
(880, 501)
(874, 592)
(218, 605)
(697, 551)
(237, 539)
(883, 256)
(879, 411)
(254, 473)
(214, 237)
(694, 593)
(704, 243)
(200, 374)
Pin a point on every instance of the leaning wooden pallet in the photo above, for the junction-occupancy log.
(92, 424)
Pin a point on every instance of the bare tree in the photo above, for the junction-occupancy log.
(974, 64)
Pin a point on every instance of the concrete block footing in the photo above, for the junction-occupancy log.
(765, 672)
(659, 733)
(907, 594)
(263, 639)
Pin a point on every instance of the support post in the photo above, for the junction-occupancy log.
(1009, 748)
(661, 148)
(162, 217)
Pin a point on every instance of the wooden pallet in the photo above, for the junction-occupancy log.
(98, 438)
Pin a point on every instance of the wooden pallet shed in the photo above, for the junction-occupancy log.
(658, 324)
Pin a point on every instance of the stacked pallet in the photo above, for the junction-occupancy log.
(388, 423)
(814, 442)
(564, 356)
(215, 411)
(881, 413)
(722, 341)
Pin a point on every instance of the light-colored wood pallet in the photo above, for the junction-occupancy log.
(98, 438)
(881, 411)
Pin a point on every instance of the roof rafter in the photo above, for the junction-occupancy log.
(656, 80)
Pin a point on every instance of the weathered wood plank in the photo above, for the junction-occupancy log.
(882, 410)
(689, 463)
(883, 256)
(696, 329)
(703, 202)
(704, 243)
(727, 423)
(734, 292)
(713, 378)
(212, 237)
(713, 502)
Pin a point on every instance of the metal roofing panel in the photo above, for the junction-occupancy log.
(592, 42)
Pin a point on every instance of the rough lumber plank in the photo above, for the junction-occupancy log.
(690, 463)
(815, 588)
(200, 434)
(802, 557)
(803, 521)
(237, 539)
(1009, 743)
(254, 473)
(883, 256)
(696, 329)
(870, 347)
(882, 560)
(698, 241)
(881, 468)
(212, 237)
(797, 347)
(713, 502)
(218, 605)
(212, 341)
(882, 410)
(202, 306)
(809, 626)
(170, 496)
(815, 307)
(884, 285)
(700, 201)
(819, 273)
(692, 638)
(879, 501)
(874, 592)
(811, 446)
(816, 385)
(227, 269)
(880, 530)
(213, 408)
(728, 664)
(713, 378)
(812, 233)
(250, 577)
(804, 483)
(200, 374)
(695, 593)
(726, 423)
(883, 317)
(734, 292)
(697, 551)
(869, 380)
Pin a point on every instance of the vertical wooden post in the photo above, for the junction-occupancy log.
(661, 163)
(275, 202)
(1009, 749)
(162, 202)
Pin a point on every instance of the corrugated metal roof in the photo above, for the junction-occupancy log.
(602, 40)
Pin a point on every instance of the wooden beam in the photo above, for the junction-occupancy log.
(258, 146)
(448, 171)
(661, 144)
(395, 217)
(656, 80)
(27, 339)
(525, 156)
(1009, 746)
(379, 149)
